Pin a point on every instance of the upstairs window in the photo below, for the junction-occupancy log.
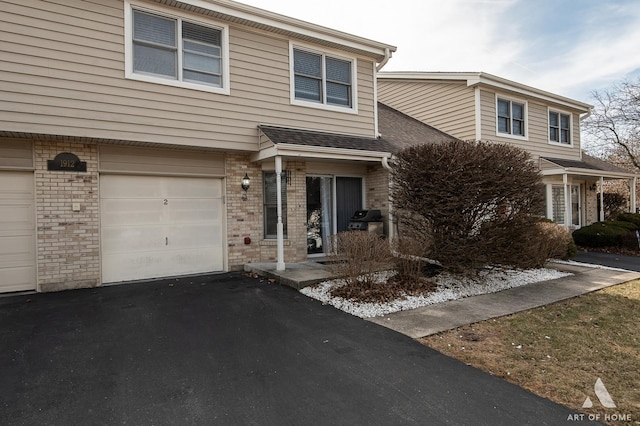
(511, 118)
(559, 128)
(170, 50)
(322, 79)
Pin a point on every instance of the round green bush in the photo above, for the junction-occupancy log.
(602, 234)
(631, 218)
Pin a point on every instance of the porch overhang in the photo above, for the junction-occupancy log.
(307, 144)
(589, 169)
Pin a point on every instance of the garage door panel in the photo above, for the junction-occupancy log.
(19, 278)
(175, 229)
(194, 210)
(115, 186)
(132, 239)
(131, 211)
(17, 232)
(192, 236)
(17, 247)
(155, 264)
(193, 188)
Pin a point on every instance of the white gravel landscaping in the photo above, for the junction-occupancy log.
(448, 288)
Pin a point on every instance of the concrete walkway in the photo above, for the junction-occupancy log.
(433, 319)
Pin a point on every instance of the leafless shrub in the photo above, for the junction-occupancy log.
(358, 256)
(408, 258)
(550, 241)
(477, 202)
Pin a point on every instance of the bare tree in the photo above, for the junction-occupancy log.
(614, 124)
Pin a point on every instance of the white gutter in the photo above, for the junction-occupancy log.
(263, 17)
(387, 56)
(307, 151)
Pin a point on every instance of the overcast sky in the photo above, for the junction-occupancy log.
(568, 47)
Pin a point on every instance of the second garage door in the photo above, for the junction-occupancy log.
(17, 232)
(154, 226)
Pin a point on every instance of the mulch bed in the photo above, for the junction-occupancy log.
(383, 292)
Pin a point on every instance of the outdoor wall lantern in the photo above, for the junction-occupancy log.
(245, 185)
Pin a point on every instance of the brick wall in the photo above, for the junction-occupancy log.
(68, 241)
(244, 217)
(295, 245)
(377, 184)
(590, 204)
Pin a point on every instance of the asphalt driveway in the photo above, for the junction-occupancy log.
(229, 349)
(613, 260)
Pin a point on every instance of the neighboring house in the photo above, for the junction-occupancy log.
(481, 106)
(127, 127)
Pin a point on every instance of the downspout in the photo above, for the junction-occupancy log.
(387, 56)
(387, 166)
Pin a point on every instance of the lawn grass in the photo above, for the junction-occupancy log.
(560, 350)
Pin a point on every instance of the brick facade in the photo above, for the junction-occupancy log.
(377, 187)
(68, 240)
(244, 217)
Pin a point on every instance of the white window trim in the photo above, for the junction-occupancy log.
(353, 109)
(559, 111)
(526, 117)
(129, 6)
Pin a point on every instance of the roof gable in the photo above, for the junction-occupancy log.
(482, 79)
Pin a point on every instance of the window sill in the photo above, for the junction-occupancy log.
(318, 105)
(564, 145)
(176, 83)
(510, 136)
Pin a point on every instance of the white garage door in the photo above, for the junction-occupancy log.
(159, 226)
(17, 232)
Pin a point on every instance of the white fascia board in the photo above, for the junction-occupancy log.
(319, 152)
(587, 172)
(481, 78)
(504, 84)
(285, 23)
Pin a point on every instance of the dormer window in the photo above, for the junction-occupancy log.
(320, 79)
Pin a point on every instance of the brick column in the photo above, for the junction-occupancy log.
(68, 240)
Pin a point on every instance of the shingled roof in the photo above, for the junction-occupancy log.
(403, 131)
(283, 135)
(588, 162)
(398, 131)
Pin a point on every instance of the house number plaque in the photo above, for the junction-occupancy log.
(66, 161)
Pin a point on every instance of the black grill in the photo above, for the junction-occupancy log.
(366, 220)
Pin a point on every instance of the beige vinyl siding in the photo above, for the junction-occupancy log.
(447, 106)
(537, 139)
(63, 73)
(118, 159)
